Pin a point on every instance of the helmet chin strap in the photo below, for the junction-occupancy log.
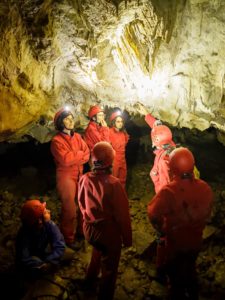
(67, 128)
(68, 131)
(94, 119)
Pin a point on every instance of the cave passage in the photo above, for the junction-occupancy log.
(28, 171)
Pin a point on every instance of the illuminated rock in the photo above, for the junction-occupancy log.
(168, 55)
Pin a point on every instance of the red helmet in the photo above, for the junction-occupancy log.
(181, 161)
(31, 211)
(94, 110)
(116, 114)
(161, 135)
(59, 116)
(102, 155)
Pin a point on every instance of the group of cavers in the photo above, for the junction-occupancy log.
(95, 205)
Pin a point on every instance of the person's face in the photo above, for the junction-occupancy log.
(119, 123)
(44, 218)
(47, 215)
(68, 122)
(100, 117)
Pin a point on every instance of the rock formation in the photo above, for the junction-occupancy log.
(166, 54)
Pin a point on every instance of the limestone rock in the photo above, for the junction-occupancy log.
(168, 55)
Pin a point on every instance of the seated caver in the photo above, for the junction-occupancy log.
(40, 246)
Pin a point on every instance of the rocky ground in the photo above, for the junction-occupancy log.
(32, 177)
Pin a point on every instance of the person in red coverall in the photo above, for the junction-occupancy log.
(163, 144)
(97, 129)
(180, 211)
(119, 138)
(70, 152)
(106, 220)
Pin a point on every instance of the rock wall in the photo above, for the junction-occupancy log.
(166, 54)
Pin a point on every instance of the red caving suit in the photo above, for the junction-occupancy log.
(95, 133)
(119, 140)
(160, 170)
(180, 211)
(70, 153)
(105, 209)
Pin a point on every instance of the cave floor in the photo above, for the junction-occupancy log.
(137, 275)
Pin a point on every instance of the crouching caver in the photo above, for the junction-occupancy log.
(179, 211)
(40, 245)
(104, 206)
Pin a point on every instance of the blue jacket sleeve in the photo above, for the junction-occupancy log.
(57, 243)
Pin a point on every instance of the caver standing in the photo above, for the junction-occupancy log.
(70, 153)
(162, 144)
(97, 129)
(179, 212)
(105, 209)
(119, 139)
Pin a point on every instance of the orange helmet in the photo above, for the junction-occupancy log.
(116, 114)
(102, 155)
(161, 135)
(59, 116)
(31, 211)
(94, 110)
(181, 161)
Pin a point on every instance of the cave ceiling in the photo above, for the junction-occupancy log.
(166, 54)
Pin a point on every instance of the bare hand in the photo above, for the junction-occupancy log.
(103, 123)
